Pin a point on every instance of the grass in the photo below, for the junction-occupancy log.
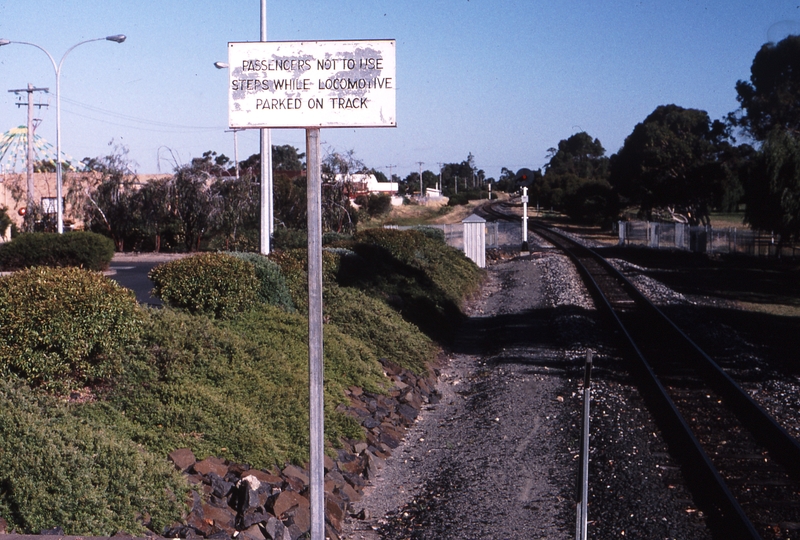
(724, 220)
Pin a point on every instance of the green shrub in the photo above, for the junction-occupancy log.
(283, 238)
(423, 278)
(62, 326)
(378, 326)
(236, 388)
(294, 267)
(272, 288)
(82, 249)
(432, 232)
(58, 470)
(457, 199)
(331, 237)
(212, 284)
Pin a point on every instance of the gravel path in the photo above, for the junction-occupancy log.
(497, 457)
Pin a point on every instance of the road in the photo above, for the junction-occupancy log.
(130, 271)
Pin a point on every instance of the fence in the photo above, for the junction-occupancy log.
(704, 239)
(499, 234)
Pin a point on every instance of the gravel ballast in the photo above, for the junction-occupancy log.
(497, 456)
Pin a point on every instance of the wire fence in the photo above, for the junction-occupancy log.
(704, 239)
(656, 235)
(499, 234)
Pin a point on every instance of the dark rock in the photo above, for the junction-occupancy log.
(331, 533)
(276, 530)
(221, 518)
(266, 478)
(390, 440)
(182, 458)
(55, 531)
(220, 535)
(285, 501)
(220, 488)
(177, 531)
(355, 480)
(408, 413)
(212, 464)
(370, 422)
(253, 532)
(294, 532)
(300, 517)
(349, 493)
(334, 514)
(292, 471)
(252, 516)
(335, 477)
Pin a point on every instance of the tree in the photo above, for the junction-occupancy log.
(578, 155)
(108, 206)
(191, 201)
(236, 212)
(154, 209)
(769, 99)
(577, 160)
(773, 192)
(337, 213)
(506, 181)
(670, 159)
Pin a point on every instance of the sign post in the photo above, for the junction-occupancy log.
(311, 85)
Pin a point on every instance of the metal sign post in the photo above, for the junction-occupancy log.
(315, 369)
(311, 85)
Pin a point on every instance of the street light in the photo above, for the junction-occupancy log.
(117, 38)
(267, 209)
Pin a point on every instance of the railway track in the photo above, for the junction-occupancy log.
(741, 465)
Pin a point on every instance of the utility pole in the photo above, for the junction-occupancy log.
(235, 148)
(391, 176)
(420, 163)
(31, 128)
(439, 163)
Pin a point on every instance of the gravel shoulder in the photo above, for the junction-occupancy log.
(495, 457)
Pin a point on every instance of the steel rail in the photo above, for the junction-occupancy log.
(705, 480)
(701, 474)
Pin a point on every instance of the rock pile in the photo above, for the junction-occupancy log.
(232, 500)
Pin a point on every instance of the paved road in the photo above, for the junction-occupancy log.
(133, 275)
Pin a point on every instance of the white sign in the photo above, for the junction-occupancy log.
(302, 84)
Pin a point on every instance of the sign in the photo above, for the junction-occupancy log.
(524, 198)
(302, 84)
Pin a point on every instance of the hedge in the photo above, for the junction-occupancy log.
(64, 326)
(212, 284)
(80, 248)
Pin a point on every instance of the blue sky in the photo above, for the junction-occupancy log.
(503, 79)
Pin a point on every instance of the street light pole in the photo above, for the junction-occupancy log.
(117, 38)
(267, 209)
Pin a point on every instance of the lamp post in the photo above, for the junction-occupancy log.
(117, 38)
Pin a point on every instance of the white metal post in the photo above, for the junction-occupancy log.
(524, 219)
(266, 165)
(315, 356)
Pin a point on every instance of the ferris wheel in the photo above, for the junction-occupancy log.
(14, 150)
